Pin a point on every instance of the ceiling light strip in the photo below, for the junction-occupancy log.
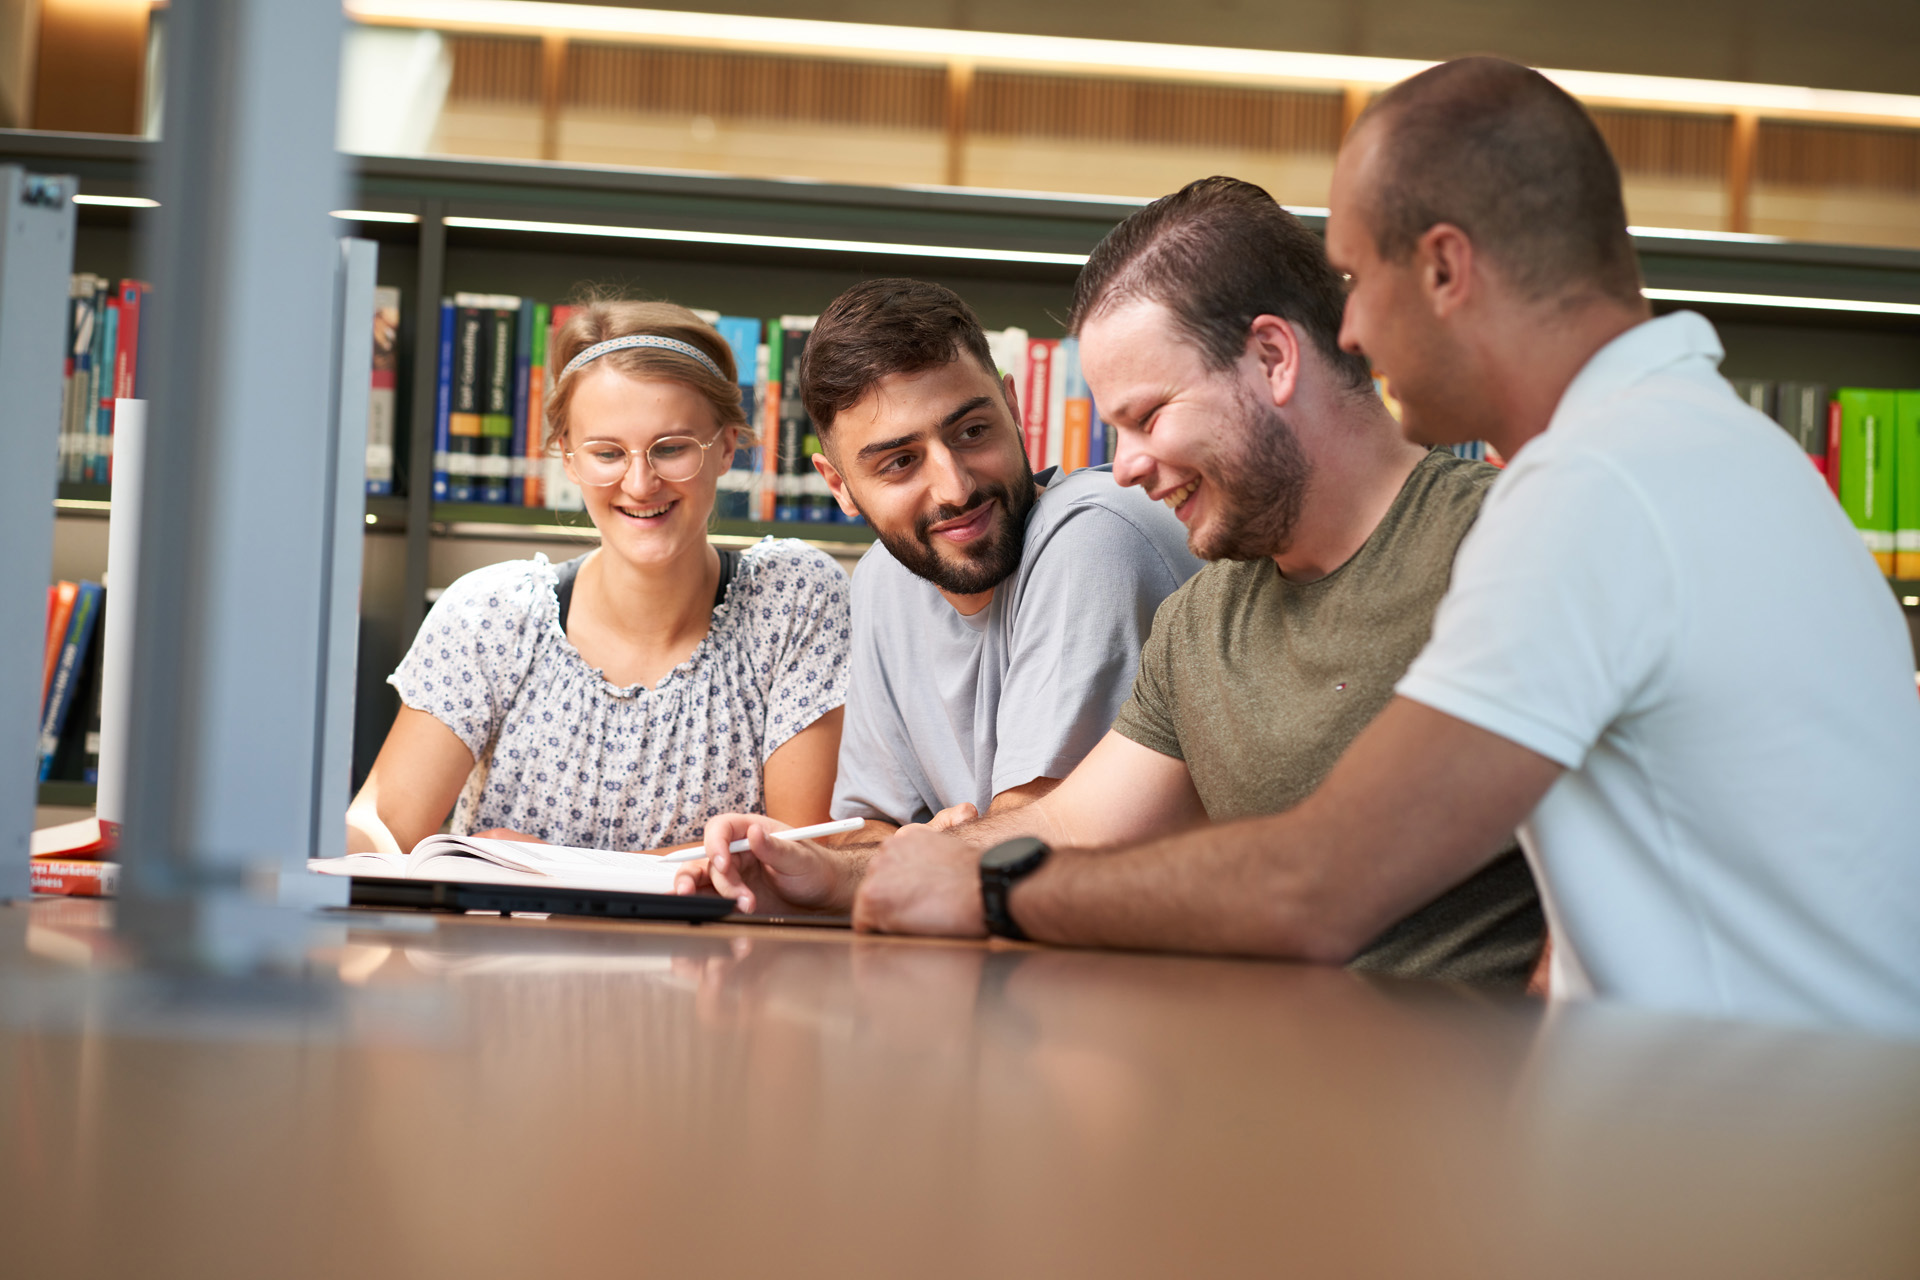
(118, 202)
(1003, 49)
(772, 242)
(373, 215)
(1784, 300)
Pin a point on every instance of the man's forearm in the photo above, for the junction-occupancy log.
(1419, 803)
(1036, 819)
(1227, 889)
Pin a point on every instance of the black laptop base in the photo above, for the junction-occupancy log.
(445, 895)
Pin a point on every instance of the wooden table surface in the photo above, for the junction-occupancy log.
(483, 1097)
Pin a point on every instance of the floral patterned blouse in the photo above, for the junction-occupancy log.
(563, 755)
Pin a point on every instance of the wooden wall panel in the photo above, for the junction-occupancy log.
(495, 69)
(610, 77)
(1155, 112)
(1667, 144)
(1819, 155)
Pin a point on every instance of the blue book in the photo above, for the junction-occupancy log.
(522, 374)
(66, 674)
(443, 403)
(100, 412)
(742, 336)
(1096, 437)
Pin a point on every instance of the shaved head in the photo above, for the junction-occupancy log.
(1507, 156)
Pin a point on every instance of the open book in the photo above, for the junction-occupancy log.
(470, 859)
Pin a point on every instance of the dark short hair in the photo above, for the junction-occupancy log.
(879, 328)
(1510, 158)
(1219, 253)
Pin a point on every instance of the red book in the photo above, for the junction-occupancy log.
(1035, 396)
(1833, 447)
(74, 878)
(126, 355)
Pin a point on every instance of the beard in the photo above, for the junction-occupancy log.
(981, 564)
(1260, 476)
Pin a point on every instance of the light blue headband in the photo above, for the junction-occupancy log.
(599, 349)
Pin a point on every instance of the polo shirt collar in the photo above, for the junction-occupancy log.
(1645, 349)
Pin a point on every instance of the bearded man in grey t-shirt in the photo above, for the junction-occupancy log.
(998, 623)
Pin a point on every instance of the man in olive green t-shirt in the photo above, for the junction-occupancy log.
(1209, 333)
(1257, 683)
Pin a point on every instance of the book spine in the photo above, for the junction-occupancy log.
(77, 757)
(382, 407)
(1906, 489)
(1076, 410)
(742, 335)
(522, 388)
(100, 415)
(496, 414)
(1033, 400)
(1097, 452)
(769, 426)
(66, 381)
(1866, 468)
(1056, 407)
(443, 404)
(1757, 393)
(790, 502)
(562, 493)
(535, 492)
(126, 360)
(74, 877)
(59, 614)
(1833, 445)
(53, 717)
(469, 390)
(86, 329)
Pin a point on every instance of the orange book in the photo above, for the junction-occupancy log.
(59, 614)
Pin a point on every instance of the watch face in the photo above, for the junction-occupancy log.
(1014, 855)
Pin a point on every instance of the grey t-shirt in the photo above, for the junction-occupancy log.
(943, 708)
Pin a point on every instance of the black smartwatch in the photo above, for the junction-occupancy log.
(1002, 867)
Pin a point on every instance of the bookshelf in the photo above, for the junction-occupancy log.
(766, 247)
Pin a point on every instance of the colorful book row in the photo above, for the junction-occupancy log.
(1866, 441)
(102, 364)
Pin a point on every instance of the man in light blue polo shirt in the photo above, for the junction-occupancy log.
(1664, 655)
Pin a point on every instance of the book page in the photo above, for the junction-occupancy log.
(547, 859)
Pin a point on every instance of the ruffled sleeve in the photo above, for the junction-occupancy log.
(797, 602)
(473, 651)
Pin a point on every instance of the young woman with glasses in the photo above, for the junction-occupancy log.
(618, 700)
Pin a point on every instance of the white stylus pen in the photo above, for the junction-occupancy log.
(798, 833)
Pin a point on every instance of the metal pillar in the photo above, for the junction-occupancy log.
(36, 257)
(233, 665)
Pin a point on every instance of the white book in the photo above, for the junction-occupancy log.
(473, 860)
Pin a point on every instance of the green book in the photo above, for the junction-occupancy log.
(1906, 489)
(1867, 461)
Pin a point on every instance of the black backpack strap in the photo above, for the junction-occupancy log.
(564, 574)
(729, 561)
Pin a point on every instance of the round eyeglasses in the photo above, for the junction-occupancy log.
(672, 458)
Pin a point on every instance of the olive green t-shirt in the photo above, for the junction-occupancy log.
(1259, 684)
